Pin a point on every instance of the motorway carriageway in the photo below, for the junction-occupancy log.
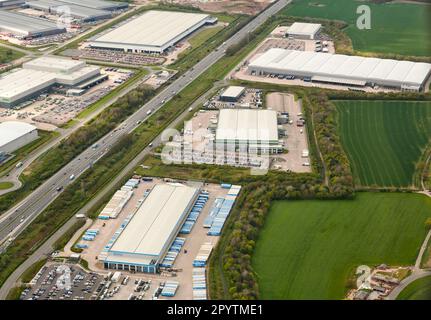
(19, 217)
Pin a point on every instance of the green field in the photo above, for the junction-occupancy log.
(395, 27)
(8, 55)
(308, 249)
(384, 139)
(417, 290)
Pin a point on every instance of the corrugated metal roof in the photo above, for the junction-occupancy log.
(152, 225)
(346, 67)
(23, 24)
(12, 130)
(304, 28)
(247, 125)
(153, 28)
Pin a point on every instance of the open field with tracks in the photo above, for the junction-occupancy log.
(395, 27)
(384, 139)
(308, 249)
(417, 290)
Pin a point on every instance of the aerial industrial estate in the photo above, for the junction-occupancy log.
(189, 151)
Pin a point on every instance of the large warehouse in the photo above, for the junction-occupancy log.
(98, 4)
(342, 69)
(81, 13)
(153, 32)
(302, 30)
(10, 3)
(255, 130)
(26, 26)
(145, 240)
(14, 135)
(39, 75)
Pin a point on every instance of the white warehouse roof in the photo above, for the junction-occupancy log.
(153, 225)
(12, 130)
(301, 28)
(152, 31)
(385, 72)
(40, 74)
(247, 125)
(233, 91)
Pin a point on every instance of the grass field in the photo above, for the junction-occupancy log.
(5, 185)
(8, 55)
(308, 249)
(387, 34)
(417, 290)
(384, 139)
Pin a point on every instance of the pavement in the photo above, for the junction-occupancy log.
(37, 201)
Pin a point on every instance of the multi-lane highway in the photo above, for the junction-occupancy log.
(19, 217)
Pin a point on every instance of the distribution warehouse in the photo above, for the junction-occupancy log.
(145, 240)
(343, 69)
(14, 135)
(41, 74)
(302, 30)
(256, 130)
(78, 12)
(9, 3)
(99, 4)
(154, 31)
(27, 26)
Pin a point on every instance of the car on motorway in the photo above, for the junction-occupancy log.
(149, 111)
(72, 177)
(58, 189)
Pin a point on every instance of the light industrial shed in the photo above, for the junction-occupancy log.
(27, 26)
(343, 69)
(14, 135)
(145, 240)
(232, 93)
(304, 30)
(78, 12)
(153, 31)
(10, 3)
(249, 129)
(39, 75)
(99, 4)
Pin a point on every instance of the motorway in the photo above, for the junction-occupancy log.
(19, 217)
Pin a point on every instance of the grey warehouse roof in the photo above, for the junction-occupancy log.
(12, 130)
(74, 10)
(155, 221)
(25, 25)
(153, 28)
(247, 125)
(304, 28)
(305, 63)
(98, 4)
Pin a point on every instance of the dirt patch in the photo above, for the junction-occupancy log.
(249, 7)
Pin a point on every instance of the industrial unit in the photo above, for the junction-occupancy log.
(248, 130)
(232, 94)
(10, 3)
(78, 12)
(146, 238)
(98, 4)
(40, 75)
(26, 26)
(342, 69)
(14, 135)
(300, 30)
(151, 32)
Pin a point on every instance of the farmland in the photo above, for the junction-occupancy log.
(384, 139)
(308, 249)
(417, 290)
(387, 34)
